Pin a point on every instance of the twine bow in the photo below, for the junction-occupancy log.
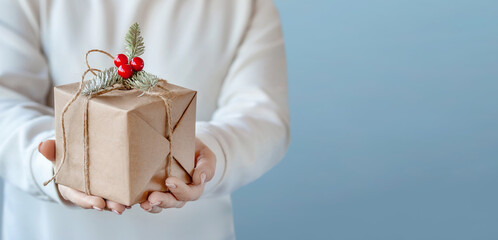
(164, 94)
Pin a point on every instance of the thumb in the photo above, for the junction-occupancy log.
(47, 149)
(204, 167)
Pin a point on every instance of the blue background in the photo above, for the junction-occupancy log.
(394, 109)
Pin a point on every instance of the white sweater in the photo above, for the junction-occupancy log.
(231, 52)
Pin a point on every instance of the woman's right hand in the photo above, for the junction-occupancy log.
(78, 198)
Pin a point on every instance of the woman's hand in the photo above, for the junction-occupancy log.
(180, 193)
(76, 197)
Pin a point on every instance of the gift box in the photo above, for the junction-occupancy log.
(120, 134)
(116, 144)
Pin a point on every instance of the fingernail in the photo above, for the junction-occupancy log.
(155, 204)
(116, 212)
(203, 178)
(170, 185)
(149, 209)
(97, 208)
(39, 146)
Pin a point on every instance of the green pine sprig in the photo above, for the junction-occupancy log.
(104, 79)
(134, 42)
(140, 80)
(143, 81)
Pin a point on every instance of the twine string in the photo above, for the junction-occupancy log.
(167, 100)
(85, 146)
(63, 125)
(99, 51)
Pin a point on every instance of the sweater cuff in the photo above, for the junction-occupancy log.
(204, 134)
(42, 170)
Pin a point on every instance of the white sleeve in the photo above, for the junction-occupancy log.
(25, 120)
(249, 132)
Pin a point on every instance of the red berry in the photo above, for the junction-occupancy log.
(120, 60)
(125, 71)
(137, 64)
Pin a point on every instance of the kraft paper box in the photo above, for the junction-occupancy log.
(127, 147)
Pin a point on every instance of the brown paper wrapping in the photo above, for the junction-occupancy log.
(127, 147)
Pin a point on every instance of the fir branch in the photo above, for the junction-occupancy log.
(134, 42)
(143, 81)
(103, 80)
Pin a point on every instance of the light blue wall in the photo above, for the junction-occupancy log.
(394, 120)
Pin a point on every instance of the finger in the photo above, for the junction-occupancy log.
(115, 207)
(156, 209)
(149, 208)
(182, 191)
(205, 168)
(164, 200)
(47, 149)
(81, 199)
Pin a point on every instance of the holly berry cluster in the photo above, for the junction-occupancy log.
(125, 68)
(129, 68)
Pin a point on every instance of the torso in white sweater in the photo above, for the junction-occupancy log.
(231, 52)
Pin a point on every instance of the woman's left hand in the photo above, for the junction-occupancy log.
(180, 193)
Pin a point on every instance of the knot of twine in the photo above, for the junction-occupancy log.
(165, 97)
